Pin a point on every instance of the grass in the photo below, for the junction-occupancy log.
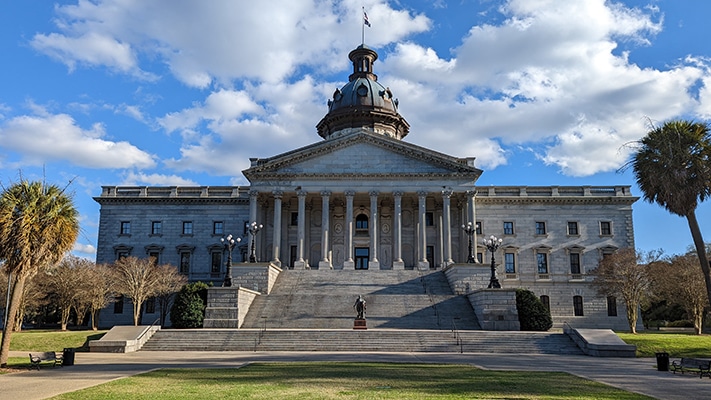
(53, 340)
(676, 344)
(339, 380)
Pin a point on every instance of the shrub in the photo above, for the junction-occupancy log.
(188, 309)
(532, 314)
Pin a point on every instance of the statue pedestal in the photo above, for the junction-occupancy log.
(359, 324)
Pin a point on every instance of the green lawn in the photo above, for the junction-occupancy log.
(676, 344)
(350, 381)
(52, 340)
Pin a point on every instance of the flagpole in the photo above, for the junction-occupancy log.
(362, 28)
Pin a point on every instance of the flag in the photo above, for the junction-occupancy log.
(365, 18)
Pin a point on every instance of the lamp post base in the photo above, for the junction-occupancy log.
(494, 284)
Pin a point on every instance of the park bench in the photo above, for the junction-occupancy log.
(694, 365)
(47, 357)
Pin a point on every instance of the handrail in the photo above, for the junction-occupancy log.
(458, 338)
(147, 330)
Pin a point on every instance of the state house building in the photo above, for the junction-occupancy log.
(364, 198)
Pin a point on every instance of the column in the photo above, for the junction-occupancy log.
(301, 231)
(374, 263)
(277, 227)
(253, 199)
(471, 217)
(349, 263)
(325, 262)
(397, 233)
(422, 264)
(447, 227)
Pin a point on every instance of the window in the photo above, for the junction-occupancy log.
(429, 219)
(605, 228)
(125, 227)
(218, 228)
(154, 256)
(540, 228)
(118, 304)
(122, 254)
(478, 227)
(546, 302)
(575, 263)
(362, 222)
(216, 262)
(611, 306)
(187, 227)
(510, 263)
(156, 228)
(508, 228)
(578, 306)
(480, 258)
(542, 262)
(185, 262)
(572, 228)
(151, 306)
(294, 219)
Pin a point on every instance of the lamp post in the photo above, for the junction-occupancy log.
(470, 230)
(493, 243)
(253, 228)
(229, 243)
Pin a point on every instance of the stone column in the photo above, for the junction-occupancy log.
(397, 233)
(471, 217)
(374, 263)
(349, 263)
(447, 226)
(253, 199)
(325, 262)
(422, 264)
(277, 227)
(301, 231)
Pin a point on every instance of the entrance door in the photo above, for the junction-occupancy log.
(362, 256)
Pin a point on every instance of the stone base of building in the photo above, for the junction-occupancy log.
(423, 265)
(398, 265)
(325, 265)
(349, 265)
(359, 324)
(373, 265)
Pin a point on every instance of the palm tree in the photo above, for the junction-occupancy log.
(673, 169)
(38, 226)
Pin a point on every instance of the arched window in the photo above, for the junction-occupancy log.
(361, 222)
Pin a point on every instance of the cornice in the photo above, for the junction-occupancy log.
(623, 200)
(169, 200)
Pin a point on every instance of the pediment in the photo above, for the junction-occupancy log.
(362, 154)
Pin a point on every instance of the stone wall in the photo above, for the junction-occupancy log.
(495, 309)
(259, 277)
(227, 306)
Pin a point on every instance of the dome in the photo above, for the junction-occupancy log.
(363, 103)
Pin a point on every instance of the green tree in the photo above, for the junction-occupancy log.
(532, 313)
(38, 226)
(673, 169)
(188, 309)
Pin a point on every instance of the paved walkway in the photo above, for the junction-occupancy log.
(90, 369)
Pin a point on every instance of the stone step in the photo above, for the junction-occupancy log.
(381, 340)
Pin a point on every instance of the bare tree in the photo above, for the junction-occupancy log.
(98, 291)
(625, 274)
(137, 279)
(680, 281)
(65, 282)
(170, 280)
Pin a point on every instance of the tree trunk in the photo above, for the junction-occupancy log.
(632, 318)
(136, 312)
(700, 251)
(15, 301)
(65, 318)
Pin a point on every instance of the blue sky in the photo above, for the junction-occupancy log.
(179, 92)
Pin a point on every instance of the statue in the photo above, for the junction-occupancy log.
(360, 307)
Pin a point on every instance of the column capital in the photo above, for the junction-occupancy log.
(398, 193)
(422, 193)
(470, 193)
(253, 193)
(350, 193)
(447, 193)
(302, 193)
(278, 194)
(325, 193)
(373, 193)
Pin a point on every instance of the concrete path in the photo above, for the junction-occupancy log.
(90, 369)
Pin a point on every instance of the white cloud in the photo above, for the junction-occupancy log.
(84, 248)
(45, 137)
(136, 179)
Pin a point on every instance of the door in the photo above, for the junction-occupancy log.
(362, 256)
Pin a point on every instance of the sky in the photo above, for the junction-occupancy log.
(182, 93)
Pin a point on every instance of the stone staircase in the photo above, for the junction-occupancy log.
(407, 311)
(376, 340)
(323, 299)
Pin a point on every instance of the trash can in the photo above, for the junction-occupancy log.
(68, 357)
(662, 361)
